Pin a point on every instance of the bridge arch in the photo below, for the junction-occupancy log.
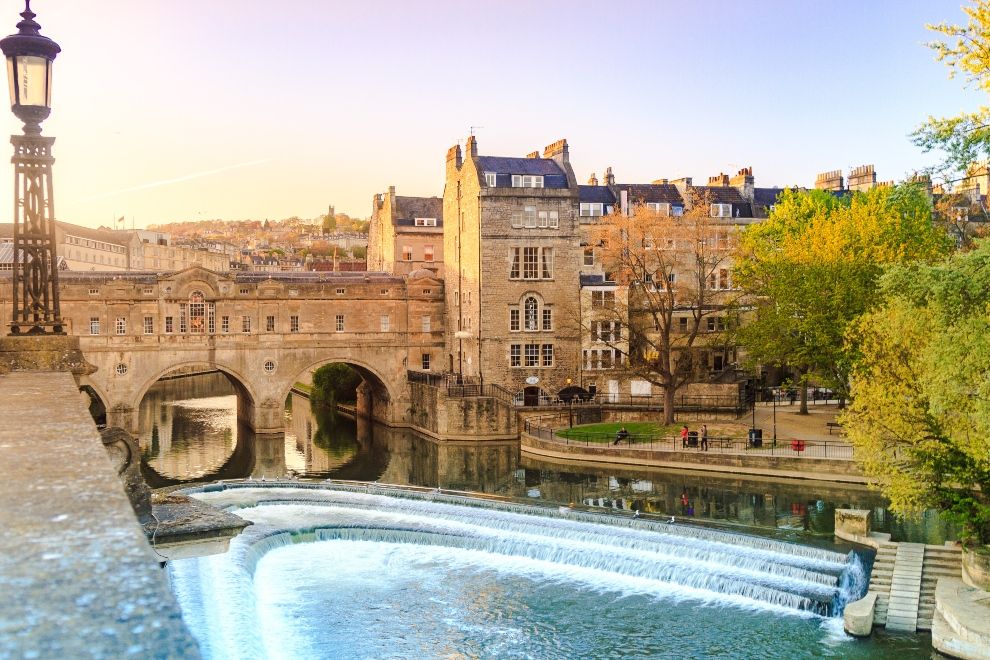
(376, 401)
(239, 380)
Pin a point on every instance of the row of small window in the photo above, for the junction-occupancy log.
(530, 218)
(194, 325)
(602, 358)
(107, 260)
(407, 253)
(518, 180)
(531, 263)
(710, 324)
(531, 355)
(96, 245)
(531, 317)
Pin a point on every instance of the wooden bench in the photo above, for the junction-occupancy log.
(832, 426)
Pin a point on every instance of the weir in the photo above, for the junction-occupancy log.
(709, 565)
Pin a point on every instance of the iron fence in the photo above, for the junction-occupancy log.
(544, 428)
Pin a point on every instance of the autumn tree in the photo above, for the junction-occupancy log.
(673, 275)
(965, 50)
(812, 268)
(920, 415)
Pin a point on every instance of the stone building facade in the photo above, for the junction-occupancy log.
(512, 261)
(405, 233)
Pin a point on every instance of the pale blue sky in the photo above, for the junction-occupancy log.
(183, 110)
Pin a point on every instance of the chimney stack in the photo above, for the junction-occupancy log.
(593, 181)
(533, 154)
(454, 161)
(682, 184)
(744, 182)
(557, 151)
(609, 177)
(829, 180)
(660, 182)
(862, 178)
(722, 180)
(471, 147)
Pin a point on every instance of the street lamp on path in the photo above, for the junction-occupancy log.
(35, 264)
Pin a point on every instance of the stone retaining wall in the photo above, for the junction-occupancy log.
(809, 468)
(459, 418)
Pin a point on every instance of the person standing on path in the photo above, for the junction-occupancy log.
(704, 437)
(684, 437)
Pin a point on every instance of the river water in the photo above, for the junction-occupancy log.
(381, 590)
(189, 433)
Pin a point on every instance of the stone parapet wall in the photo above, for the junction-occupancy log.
(79, 577)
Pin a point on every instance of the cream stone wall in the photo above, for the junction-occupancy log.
(129, 362)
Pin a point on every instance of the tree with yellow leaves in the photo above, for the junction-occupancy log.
(812, 268)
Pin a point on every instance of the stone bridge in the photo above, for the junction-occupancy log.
(265, 331)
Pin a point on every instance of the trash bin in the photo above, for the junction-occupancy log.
(692, 439)
(756, 437)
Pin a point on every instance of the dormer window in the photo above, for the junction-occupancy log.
(490, 179)
(721, 211)
(677, 211)
(591, 209)
(526, 181)
(425, 222)
(660, 208)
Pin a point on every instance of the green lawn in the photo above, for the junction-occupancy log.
(605, 432)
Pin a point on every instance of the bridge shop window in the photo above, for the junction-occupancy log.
(245, 291)
(385, 322)
(341, 292)
(94, 325)
(225, 324)
(121, 325)
(169, 325)
(426, 361)
(149, 325)
(197, 313)
(293, 323)
(245, 324)
(339, 323)
(269, 323)
(426, 324)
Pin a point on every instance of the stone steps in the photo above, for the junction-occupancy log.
(905, 587)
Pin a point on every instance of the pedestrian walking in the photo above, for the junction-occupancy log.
(704, 437)
(684, 437)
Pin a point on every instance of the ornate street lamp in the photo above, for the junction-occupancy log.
(29, 71)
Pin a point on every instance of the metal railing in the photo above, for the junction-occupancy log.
(543, 428)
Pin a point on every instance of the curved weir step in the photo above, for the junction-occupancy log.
(704, 563)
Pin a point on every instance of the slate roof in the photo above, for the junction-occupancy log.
(596, 194)
(642, 193)
(409, 208)
(506, 165)
(763, 199)
(741, 208)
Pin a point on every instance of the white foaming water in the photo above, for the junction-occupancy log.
(666, 562)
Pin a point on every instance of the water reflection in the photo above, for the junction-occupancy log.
(189, 433)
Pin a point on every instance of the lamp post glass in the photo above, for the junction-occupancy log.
(35, 264)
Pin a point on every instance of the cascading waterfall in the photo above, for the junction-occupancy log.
(708, 563)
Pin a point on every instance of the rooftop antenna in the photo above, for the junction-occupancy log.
(472, 128)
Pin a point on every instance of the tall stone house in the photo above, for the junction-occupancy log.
(512, 264)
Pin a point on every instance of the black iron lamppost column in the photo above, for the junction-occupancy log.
(29, 71)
